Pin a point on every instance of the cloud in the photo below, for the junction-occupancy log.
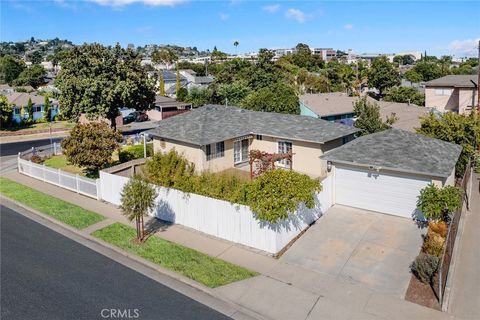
(271, 8)
(467, 47)
(224, 16)
(66, 4)
(296, 15)
(120, 3)
(348, 26)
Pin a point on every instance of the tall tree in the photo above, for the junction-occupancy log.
(91, 145)
(161, 84)
(35, 57)
(10, 68)
(457, 128)
(33, 76)
(138, 198)
(47, 109)
(382, 75)
(166, 56)
(30, 110)
(235, 44)
(425, 70)
(178, 85)
(368, 117)
(98, 81)
(278, 98)
(6, 112)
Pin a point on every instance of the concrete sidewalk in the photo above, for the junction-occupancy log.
(465, 293)
(283, 291)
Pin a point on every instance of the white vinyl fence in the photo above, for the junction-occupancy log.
(222, 219)
(60, 178)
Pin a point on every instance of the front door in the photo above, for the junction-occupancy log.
(240, 151)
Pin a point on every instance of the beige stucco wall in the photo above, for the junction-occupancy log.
(441, 102)
(192, 153)
(219, 164)
(466, 98)
(450, 181)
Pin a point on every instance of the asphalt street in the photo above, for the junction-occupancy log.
(13, 148)
(45, 275)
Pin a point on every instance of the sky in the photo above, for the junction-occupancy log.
(439, 27)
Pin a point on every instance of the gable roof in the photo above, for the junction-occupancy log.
(20, 99)
(399, 150)
(453, 80)
(215, 123)
(335, 103)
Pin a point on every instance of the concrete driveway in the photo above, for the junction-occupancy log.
(360, 246)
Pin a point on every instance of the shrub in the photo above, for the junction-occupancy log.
(134, 152)
(439, 227)
(436, 203)
(272, 196)
(433, 244)
(276, 193)
(424, 267)
(36, 159)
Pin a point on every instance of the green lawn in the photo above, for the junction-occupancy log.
(60, 162)
(63, 211)
(41, 126)
(195, 265)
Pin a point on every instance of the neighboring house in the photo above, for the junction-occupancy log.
(20, 100)
(457, 93)
(170, 81)
(385, 171)
(6, 89)
(338, 107)
(194, 80)
(218, 138)
(166, 107)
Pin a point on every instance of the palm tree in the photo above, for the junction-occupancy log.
(235, 44)
(138, 198)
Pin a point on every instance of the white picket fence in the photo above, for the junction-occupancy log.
(232, 222)
(74, 182)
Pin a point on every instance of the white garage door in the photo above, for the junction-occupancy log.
(386, 193)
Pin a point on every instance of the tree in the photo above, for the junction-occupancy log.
(178, 85)
(199, 96)
(369, 119)
(47, 109)
(436, 203)
(161, 84)
(10, 68)
(166, 56)
(278, 98)
(6, 112)
(233, 93)
(347, 77)
(98, 81)
(235, 44)
(405, 95)
(138, 198)
(382, 75)
(218, 55)
(457, 128)
(182, 94)
(404, 60)
(35, 57)
(22, 114)
(33, 76)
(30, 110)
(425, 71)
(91, 145)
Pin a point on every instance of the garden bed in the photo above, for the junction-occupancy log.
(421, 294)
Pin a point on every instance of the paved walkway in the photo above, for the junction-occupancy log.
(283, 290)
(465, 293)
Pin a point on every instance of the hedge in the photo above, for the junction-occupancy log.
(134, 152)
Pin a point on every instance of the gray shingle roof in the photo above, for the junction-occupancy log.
(214, 123)
(399, 150)
(459, 81)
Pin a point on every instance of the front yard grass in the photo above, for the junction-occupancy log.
(210, 271)
(61, 162)
(41, 126)
(63, 211)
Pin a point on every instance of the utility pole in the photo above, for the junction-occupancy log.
(478, 78)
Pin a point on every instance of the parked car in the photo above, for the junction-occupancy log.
(139, 116)
(128, 118)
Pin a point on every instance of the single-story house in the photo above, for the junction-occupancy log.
(217, 138)
(457, 93)
(194, 80)
(170, 81)
(20, 100)
(385, 171)
(338, 106)
(165, 107)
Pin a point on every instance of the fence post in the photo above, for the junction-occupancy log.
(76, 180)
(18, 161)
(54, 148)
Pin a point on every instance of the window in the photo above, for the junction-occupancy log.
(214, 151)
(37, 108)
(284, 147)
(259, 137)
(16, 111)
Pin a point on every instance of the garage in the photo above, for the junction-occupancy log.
(370, 190)
(385, 171)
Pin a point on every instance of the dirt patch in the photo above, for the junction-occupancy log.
(421, 294)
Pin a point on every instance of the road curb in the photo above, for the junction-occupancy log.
(179, 283)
